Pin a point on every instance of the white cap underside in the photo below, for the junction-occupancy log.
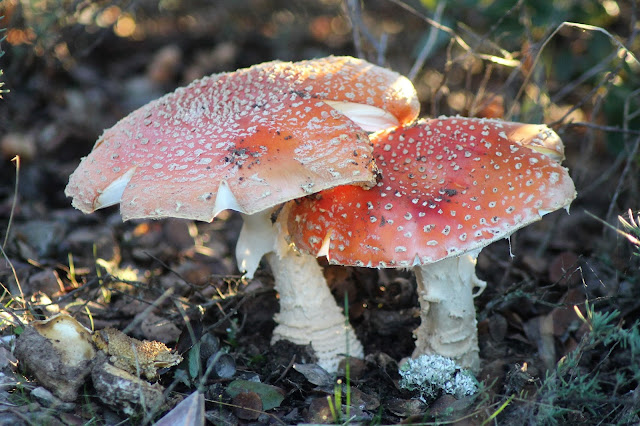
(369, 118)
(112, 194)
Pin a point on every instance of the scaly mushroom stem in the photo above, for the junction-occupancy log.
(449, 326)
(308, 311)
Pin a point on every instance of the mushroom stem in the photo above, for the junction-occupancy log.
(449, 326)
(308, 311)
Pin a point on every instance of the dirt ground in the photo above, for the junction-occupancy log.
(74, 68)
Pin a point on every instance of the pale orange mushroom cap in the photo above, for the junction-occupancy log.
(449, 186)
(261, 135)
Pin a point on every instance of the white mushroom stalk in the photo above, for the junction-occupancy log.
(308, 311)
(301, 307)
(449, 328)
(249, 141)
(449, 187)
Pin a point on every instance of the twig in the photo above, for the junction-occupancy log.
(478, 101)
(428, 45)
(553, 34)
(631, 157)
(16, 160)
(594, 126)
(459, 40)
(569, 87)
(142, 315)
(286, 370)
(609, 78)
(353, 8)
(15, 276)
(380, 46)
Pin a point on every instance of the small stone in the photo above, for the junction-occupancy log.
(123, 391)
(47, 399)
(248, 405)
(46, 281)
(209, 345)
(319, 411)
(224, 367)
(13, 419)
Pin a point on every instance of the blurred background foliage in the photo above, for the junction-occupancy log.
(74, 67)
(512, 59)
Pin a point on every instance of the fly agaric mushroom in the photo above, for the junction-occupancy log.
(449, 187)
(248, 141)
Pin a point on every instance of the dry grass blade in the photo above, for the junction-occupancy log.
(621, 47)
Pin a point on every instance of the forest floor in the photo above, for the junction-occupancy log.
(558, 321)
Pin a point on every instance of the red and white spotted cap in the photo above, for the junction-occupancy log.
(246, 140)
(449, 186)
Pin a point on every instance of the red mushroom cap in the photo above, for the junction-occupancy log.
(246, 140)
(449, 186)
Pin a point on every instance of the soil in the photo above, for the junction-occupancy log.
(75, 70)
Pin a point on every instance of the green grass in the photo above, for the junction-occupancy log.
(579, 391)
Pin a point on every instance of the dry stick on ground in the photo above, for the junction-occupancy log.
(16, 160)
(438, 92)
(586, 153)
(603, 128)
(485, 38)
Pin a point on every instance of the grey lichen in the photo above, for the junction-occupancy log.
(433, 375)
